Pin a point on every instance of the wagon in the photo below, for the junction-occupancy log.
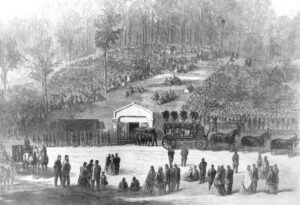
(184, 132)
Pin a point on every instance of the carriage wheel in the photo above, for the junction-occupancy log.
(168, 143)
(201, 144)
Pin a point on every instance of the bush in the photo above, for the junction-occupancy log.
(164, 97)
(173, 81)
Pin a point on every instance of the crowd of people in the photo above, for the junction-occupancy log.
(163, 181)
(261, 170)
(112, 164)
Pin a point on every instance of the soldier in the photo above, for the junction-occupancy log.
(229, 180)
(98, 138)
(235, 162)
(73, 139)
(202, 168)
(108, 137)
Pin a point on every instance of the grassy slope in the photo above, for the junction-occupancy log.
(116, 99)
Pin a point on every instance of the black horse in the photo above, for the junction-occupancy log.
(288, 144)
(228, 138)
(256, 141)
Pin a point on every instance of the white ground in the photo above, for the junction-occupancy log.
(136, 160)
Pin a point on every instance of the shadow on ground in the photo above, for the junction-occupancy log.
(70, 196)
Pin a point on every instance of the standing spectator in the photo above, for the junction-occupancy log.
(158, 188)
(57, 170)
(96, 171)
(66, 171)
(276, 172)
(178, 176)
(107, 162)
(254, 178)
(184, 155)
(117, 161)
(202, 168)
(103, 181)
(235, 162)
(223, 175)
(167, 178)
(247, 182)
(211, 176)
(265, 168)
(149, 183)
(83, 178)
(172, 178)
(259, 165)
(89, 171)
(229, 180)
(171, 154)
(271, 182)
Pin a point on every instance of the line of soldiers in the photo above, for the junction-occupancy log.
(256, 122)
(72, 138)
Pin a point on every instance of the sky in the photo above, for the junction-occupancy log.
(25, 8)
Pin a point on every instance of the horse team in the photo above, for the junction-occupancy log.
(35, 159)
(259, 141)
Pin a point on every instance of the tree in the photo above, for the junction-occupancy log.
(42, 61)
(68, 29)
(107, 32)
(166, 115)
(9, 59)
(174, 115)
(183, 115)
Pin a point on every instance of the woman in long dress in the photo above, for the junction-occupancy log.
(111, 167)
(247, 182)
(271, 182)
(149, 183)
(172, 179)
(159, 186)
(216, 188)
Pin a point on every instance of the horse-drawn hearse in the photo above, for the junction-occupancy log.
(186, 131)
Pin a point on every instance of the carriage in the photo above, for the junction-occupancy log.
(17, 152)
(184, 132)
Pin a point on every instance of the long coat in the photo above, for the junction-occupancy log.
(149, 183)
